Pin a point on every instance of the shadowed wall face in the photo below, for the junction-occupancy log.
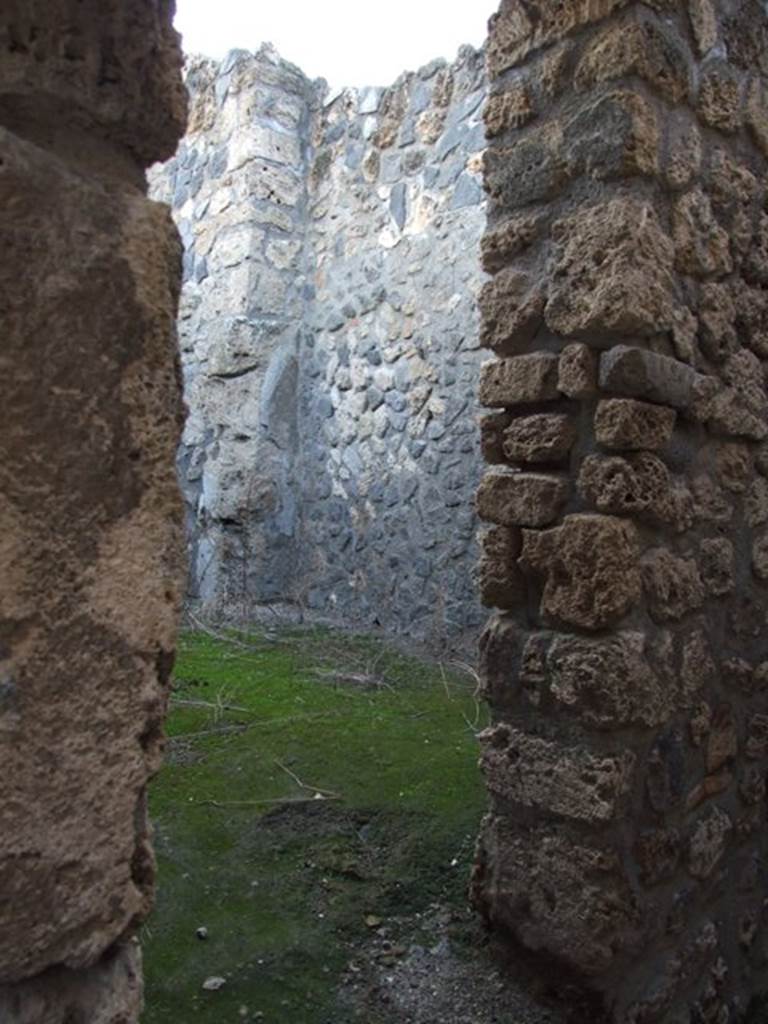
(90, 517)
(627, 499)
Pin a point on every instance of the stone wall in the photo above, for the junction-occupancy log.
(627, 501)
(90, 516)
(329, 341)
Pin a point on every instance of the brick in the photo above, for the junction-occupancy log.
(541, 438)
(519, 380)
(717, 566)
(637, 486)
(625, 423)
(642, 374)
(509, 498)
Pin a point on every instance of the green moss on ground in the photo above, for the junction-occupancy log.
(288, 886)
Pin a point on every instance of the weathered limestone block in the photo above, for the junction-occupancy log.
(717, 563)
(519, 380)
(720, 96)
(541, 438)
(500, 582)
(626, 424)
(637, 47)
(612, 271)
(594, 917)
(533, 170)
(708, 843)
(672, 584)
(643, 374)
(109, 992)
(616, 136)
(608, 683)
(492, 428)
(90, 418)
(518, 29)
(577, 371)
(570, 782)
(636, 486)
(702, 245)
(590, 566)
(509, 498)
(511, 109)
(508, 239)
(514, 311)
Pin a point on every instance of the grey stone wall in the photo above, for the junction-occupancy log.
(330, 342)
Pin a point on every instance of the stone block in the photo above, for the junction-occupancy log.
(708, 843)
(723, 740)
(658, 852)
(702, 246)
(508, 110)
(636, 486)
(531, 171)
(611, 272)
(614, 136)
(509, 498)
(703, 15)
(541, 438)
(577, 371)
(729, 415)
(512, 305)
(502, 243)
(717, 562)
(607, 683)
(517, 29)
(499, 580)
(720, 97)
(592, 920)
(642, 374)
(673, 585)
(638, 46)
(571, 782)
(590, 566)
(519, 380)
(500, 647)
(492, 429)
(626, 424)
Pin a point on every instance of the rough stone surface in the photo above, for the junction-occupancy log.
(590, 569)
(520, 499)
(626, 172)
(633, 426)
(91, 516)
(330, 343)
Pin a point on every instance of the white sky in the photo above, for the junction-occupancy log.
(347, 42)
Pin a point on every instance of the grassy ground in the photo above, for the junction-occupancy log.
(316, 785)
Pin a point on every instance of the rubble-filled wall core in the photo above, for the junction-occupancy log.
(330, 342)
(90, 515)
(627, 501)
